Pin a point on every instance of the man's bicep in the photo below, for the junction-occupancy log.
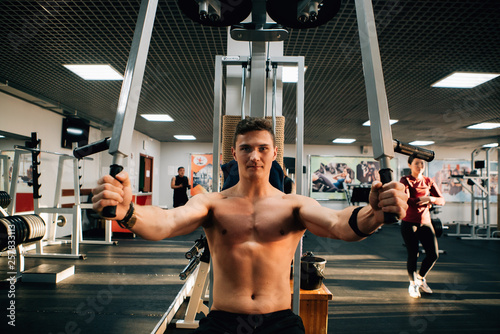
(317, 219)
(190, 216)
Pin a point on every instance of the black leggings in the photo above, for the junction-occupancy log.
(220, 322)
(413, 233)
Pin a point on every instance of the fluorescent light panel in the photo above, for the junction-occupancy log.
(185, 137)
(291, 73)
(484, 126)
(491, 145)
(391, 122)
(422, 142)
(158, 117)
(464, 80)
(95, 72)
(343, 141)
(75, 131)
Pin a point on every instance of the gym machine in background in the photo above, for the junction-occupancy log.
(478, 183)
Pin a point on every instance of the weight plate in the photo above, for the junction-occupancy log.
(5, 232)
(28, 225)
(22, 227)
(17, 230)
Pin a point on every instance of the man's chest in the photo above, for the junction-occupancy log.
(239, 220)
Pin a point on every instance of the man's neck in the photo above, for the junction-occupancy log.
(254, 188)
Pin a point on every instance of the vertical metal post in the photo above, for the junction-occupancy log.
(76, 186)
(487, 187)
(299, 177)
(13, 183)
(258, 64)
(216, 149)
(243, 89)
(75, 237)
(274, 98)
(5, 166)
(217, 123)
(473, 199)
(258, 80)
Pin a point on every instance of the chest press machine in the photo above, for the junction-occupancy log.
(301, 14)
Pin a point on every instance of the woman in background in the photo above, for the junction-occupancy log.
(417, 226)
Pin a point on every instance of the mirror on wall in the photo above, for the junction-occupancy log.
(8, 141)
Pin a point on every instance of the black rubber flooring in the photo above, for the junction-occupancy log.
(127, 288)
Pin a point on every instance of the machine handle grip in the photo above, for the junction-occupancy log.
(415, 151)
(110, 211)
(189, 268)
(96, 147)
(386, 177)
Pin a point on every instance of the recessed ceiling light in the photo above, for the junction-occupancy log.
(391, 122)
(491, 145)
(484, 126)
(185, 137)
(291, 73)
(464, 80)
(422, 142)
(95, 72)
(158, 117)
(343, 141)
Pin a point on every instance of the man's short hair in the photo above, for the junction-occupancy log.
(253, 124)
(178, 169)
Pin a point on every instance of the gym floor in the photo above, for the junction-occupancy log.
(127, 288)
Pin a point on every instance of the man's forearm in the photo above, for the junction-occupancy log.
(368, 220)
(151, 223)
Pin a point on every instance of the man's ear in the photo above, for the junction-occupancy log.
(233, 152)
(275, 152)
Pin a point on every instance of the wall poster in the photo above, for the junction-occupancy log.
(443, 172)
(331, 175)
(201, 173)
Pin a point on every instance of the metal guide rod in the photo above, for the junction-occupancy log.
(274, 99)
(298, 176)
(216, 149)
(131, 90)
(378, 109)
(217, 123)
(243, 89)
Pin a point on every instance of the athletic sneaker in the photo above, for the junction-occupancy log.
(423, 285)
(414, 291)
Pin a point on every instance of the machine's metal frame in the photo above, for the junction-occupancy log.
(221, 61)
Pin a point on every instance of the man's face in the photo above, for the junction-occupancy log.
(254, 152)
(181, 172)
